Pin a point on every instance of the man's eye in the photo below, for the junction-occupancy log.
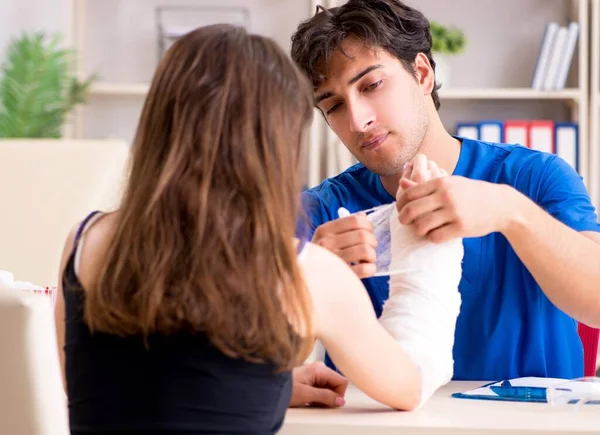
(334, 108)
(374, 85)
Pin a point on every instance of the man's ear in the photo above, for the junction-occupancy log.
(424, 73)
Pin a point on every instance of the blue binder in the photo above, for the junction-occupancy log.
(566, 137)
(468, 130)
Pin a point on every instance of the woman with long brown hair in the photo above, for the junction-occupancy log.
(185, 310)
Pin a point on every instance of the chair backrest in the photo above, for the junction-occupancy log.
(46, 187)
(32, 398)
(589, 338)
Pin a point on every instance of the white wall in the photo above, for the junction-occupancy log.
(122, 49)
(17, 16)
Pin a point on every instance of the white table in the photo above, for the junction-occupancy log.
(442, 415)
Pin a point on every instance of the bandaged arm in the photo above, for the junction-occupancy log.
(424, 302)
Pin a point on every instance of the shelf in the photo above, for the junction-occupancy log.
(141, 89)
(508, 94)
(124, 89)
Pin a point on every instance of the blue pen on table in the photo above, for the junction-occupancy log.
(506, 390)
(522, 393)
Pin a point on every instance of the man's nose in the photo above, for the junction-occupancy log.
(362, 117)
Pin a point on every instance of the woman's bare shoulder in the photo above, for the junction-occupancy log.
(317, 258)
(94, 246)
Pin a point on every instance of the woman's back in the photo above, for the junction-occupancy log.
(178, 384)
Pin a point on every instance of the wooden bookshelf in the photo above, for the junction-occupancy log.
(124, 89)
(574, 94)
(509, 94)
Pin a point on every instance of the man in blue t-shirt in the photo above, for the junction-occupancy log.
(531, 267)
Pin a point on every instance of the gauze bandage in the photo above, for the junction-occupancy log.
(424, 300)
(380, 218)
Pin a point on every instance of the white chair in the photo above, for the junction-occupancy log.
(46, 187)
(32, 399)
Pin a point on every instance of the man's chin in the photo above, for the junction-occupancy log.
(383, 170)
(383, 162)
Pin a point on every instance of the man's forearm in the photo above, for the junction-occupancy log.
(565, 263)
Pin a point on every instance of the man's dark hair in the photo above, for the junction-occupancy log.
(389, 24)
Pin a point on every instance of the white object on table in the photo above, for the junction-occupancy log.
(32, 398)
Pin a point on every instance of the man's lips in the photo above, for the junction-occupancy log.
(374, 142)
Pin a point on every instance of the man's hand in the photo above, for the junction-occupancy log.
(317, 385)
(449, 207)
(352, 239)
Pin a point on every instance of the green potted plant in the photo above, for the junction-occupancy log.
(445, 42)
(37, 88)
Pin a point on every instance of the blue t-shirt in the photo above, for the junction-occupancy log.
(507, 327)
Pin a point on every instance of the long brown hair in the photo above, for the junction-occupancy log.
(205, 233)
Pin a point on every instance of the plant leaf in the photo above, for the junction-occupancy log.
(37, 90)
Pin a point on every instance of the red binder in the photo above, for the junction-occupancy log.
(516, 132)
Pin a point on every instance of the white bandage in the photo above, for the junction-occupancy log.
(424, 302)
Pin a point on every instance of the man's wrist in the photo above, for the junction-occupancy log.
(514, 208)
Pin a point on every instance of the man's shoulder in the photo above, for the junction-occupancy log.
(526, 167)
(507, 151)
(509, 162)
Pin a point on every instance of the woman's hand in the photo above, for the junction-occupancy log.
(317, 385)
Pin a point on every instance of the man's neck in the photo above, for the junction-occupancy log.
(439, 146)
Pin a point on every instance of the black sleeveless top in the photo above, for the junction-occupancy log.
(181, 384)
